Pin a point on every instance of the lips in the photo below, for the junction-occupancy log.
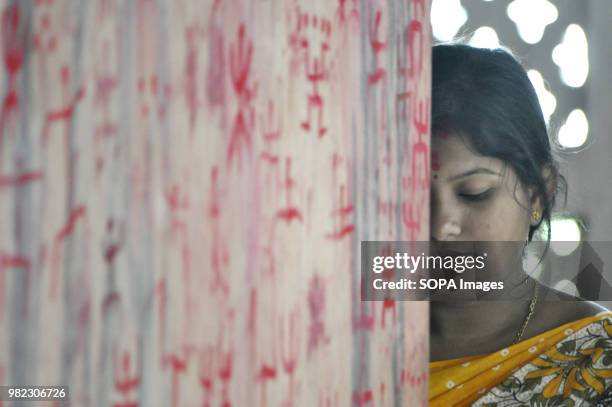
(444, 254)
(453, 249)
(452, 253)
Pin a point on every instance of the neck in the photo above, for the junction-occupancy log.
(479, 320)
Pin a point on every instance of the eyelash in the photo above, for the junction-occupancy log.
(477, 197)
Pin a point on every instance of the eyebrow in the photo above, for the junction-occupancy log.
(474, 171)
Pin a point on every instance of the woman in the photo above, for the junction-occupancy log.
(494, 179)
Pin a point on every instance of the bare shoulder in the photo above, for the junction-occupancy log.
(574, 307)
(557, 308)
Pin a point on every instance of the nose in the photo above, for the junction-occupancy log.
(445, 220)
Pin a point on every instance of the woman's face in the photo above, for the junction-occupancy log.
(473, 197)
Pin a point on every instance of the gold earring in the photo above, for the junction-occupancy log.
(535, 216)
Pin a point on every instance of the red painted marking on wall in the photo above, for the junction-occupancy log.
(220, 264)
(206, 374)
(289, 352)
(345, 16)
(270, 133)
(316, 72)
(147, 89)
(113, 246)
(411, 218)
(416, 40)
(44, 39)
(126, 383)
(415, 48)
(75, 215)
(219, 252)
(68, 228)
(83, 317)
(388, 304)
(63, 114)
(342, 213)
(213, 209)
(178, 366)
(364, 321)
(20, 180)
(377, 78)
(8, 261)
(378, 46)
(336, 161)
(296, 37)
(110, 252)
(344, 231)
(290, 212)
(178, 201)
(270, 158)
(241, 58)
(225, 375)
(420, 168)
(12, 44)
(192, 35)
(13, 51)
(215, 72)
(289, 355)
(109, 300)
(175, 199)
(407, 377)
(405, 72)
(266, 372)
(317, 335)
(421, 117)
(106, 83)
(364, 398)
(402, 103)
(435, 161)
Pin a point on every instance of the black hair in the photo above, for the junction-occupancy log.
(486, 96)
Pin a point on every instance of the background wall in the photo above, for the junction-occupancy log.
(183, 189)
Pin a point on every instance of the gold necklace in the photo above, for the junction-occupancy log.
(532, 306)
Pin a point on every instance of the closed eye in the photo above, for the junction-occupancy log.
(481, 196)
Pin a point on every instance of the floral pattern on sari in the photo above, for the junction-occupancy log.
(577, 371)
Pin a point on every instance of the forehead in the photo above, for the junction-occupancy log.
(452, 153)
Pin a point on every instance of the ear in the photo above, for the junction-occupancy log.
(550, 175)
(536, 210)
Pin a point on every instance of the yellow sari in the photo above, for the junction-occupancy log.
(569, 365)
